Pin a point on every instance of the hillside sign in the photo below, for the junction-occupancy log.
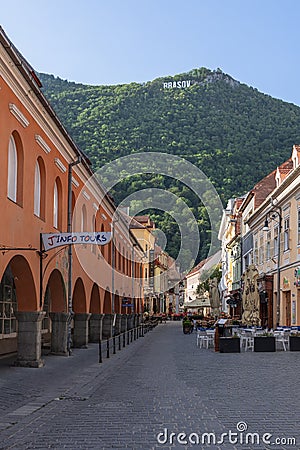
(54, 240)
(177, 84)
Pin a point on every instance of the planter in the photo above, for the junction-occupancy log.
(229, 345)
(294, 343)
(264, 344)
(187, 329)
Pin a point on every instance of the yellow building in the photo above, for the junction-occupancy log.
(142, 227)
(276, 242)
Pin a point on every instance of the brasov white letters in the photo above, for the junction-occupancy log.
(177, 84)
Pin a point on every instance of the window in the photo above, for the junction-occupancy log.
(261, 249)
(83, 219)
(255, 251)
(286, 233)
(57, 204)
(12, 170)
(299, 226)
(276, 241)
(8, 303)
(37, 190)
(268, 246)
(15, 169)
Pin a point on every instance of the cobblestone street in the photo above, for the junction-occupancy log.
(160, 384)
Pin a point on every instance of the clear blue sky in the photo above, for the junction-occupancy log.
(119, 41)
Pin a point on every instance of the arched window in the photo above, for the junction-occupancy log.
(12, 170)
(83, 219)
(57, 204)
(15, 169)
(37, 190)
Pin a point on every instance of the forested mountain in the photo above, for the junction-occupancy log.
(233, 132)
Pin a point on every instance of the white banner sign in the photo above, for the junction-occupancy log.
(58, 239)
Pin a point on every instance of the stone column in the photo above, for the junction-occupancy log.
(81, 330)
(95, 325)
(29, 339)
(123, 323)
(59, 333)
(107, 325)
(118, 324)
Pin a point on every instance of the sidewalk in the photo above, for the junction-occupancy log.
(159, 385)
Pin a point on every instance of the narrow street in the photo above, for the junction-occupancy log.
(160, 384)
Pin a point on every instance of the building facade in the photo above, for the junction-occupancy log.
(47, 186)
(270, 244)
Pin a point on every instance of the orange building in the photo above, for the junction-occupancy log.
(46, 187)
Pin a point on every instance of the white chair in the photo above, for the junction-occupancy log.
(281, 338)
(211, 337)
(247, 340)
(202, 339)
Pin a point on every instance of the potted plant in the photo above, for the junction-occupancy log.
(265, 343)
(294, 342)
(230, 344)
(187, 326)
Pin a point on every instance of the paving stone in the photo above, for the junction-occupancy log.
(162, 381)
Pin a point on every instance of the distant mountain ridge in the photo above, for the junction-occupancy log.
(221, 125)
(235, 134)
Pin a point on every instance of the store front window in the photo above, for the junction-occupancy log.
(8, 304)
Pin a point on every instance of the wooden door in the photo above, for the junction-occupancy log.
(288, 308)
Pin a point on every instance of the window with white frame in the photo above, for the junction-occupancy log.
(286, 233)
(12, 177)
(83, 218)
(55, 205)
(37, 190)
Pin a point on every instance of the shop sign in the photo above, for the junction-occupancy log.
(151, 268)
(54, 240)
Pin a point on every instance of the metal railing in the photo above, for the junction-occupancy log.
(115, 343)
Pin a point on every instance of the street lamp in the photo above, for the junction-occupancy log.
(276, 211)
